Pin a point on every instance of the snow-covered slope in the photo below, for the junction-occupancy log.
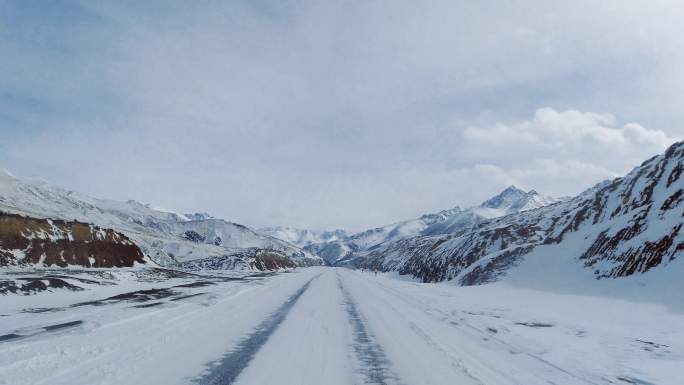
(618, 228)
(511, 200)
(166, 237)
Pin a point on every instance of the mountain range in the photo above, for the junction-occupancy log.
(348, 246)
(617, 228)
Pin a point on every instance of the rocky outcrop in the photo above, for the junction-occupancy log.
(45, 242)
(269, 260)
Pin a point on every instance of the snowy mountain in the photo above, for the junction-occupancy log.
(618, 228)
(165, 237)
(303, 237)
(511, 200)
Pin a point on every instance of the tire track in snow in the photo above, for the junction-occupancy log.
(413, 327)
(376, 367)
(441, 316)
(227, 369)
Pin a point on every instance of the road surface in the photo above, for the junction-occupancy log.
(325, 326)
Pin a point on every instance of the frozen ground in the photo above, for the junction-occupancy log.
(326, 326)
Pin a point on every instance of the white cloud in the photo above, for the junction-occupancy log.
(562, 152)
(551, 128)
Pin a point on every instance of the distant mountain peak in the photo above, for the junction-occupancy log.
(514, 199)
(505, 198)
(440, 215)
(513, 189)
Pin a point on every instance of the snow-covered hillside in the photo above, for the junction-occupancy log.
(619, 228)
(166, 237)
(511, 200)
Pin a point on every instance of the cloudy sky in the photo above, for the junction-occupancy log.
(325, 114)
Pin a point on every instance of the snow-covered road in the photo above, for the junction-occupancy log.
(338, 326)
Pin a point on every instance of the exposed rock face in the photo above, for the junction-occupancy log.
(627, 226)
(192, 235)
(25, 240)
(269, 260)
(647, 205)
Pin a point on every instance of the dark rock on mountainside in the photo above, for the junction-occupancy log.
(45, 242)
(192, 235)
(31, 285)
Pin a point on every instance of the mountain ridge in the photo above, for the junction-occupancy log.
(615, 229)
(510, 200)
